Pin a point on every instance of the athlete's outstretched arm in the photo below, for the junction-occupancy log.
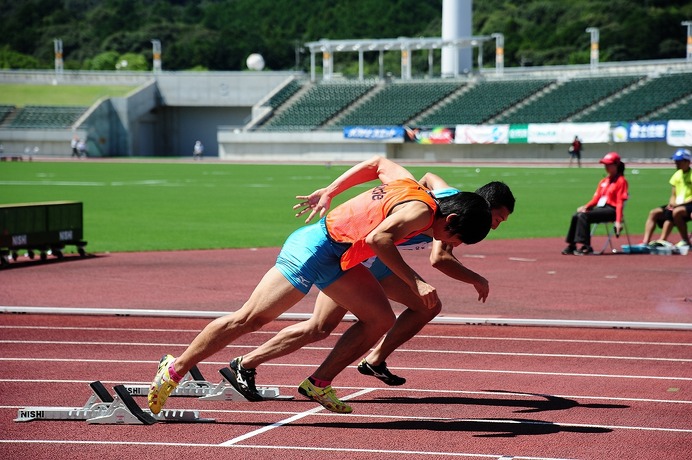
(374, 168)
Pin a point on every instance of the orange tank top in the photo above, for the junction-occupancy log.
(353, 220)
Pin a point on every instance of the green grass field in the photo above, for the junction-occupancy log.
(22, 94)
(144, 206)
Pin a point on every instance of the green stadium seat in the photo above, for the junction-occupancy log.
(321, 102)
(398, 102)
(5, 111)
(569, 98)
(679, 112)
(655, 93)
(46, 117)
(482, 101)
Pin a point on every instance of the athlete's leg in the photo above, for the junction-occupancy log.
(407, 324)
(360, 293)
(325, 318)
(273, 295)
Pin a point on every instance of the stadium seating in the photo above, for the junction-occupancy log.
(679, 112)
(284, 94)
(317, 105)
(655, 93)
(481, 102)
(567, 99)
(5, 111)
(46, 117)
(396, 103)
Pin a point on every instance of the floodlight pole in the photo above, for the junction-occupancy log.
(594, 46)
(57, 46)
(327, 63)
(156, 52)
(312, 65)
(405, 62)
(499, 53)
(689, 39)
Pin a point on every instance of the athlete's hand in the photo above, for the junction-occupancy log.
(427, 293)
(317, 202)
(483, 289)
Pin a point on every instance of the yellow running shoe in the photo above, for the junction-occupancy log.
(162, 386)
(325, 396)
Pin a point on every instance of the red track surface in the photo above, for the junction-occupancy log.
(495, 392)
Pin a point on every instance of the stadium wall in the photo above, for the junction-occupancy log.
(237, 145)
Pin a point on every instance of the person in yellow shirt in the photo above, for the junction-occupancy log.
(678, 211)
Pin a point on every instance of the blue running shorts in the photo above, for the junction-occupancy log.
(380, 270)
(310, 257)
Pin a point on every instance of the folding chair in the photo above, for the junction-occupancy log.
(610, 232)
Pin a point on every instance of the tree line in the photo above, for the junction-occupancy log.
(220, 34)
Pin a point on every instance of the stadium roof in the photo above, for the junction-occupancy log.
(403, 44)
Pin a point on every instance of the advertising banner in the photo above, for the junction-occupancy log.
(374, 132)
(518, 134)
(482, 134)
(563, 133)
(438, 135)
(679, 133)
(654, 131)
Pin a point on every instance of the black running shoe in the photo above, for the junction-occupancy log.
(584, 251)
(380, 372)
(569, 250)
(244, 381)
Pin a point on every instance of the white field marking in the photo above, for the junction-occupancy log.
(299, 416)
(449, 352)
(279, 448)
(421, 336)
(387, 389)
(53, 183)
(520, 259)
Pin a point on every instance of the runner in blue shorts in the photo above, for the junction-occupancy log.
(372, 222)
(328, 314)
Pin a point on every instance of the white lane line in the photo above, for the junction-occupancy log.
(479, 371)
(441, 319)
(278, 448)
(290, 419)
(419, 336)
(450, 352)
(496, 394)
(320, 411)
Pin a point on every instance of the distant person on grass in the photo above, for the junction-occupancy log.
(606, 205)
(197, 151)
(73, 144)
(328, 314)
(678, 211)
(574, 150)
(329, 255)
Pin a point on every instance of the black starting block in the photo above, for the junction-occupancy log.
(104, 409)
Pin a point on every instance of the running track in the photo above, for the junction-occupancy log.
(482, 392)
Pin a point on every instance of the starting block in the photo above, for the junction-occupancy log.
(104, 409)
(193, 384)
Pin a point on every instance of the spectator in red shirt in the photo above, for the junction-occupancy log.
(605, 206)
(575, 151)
